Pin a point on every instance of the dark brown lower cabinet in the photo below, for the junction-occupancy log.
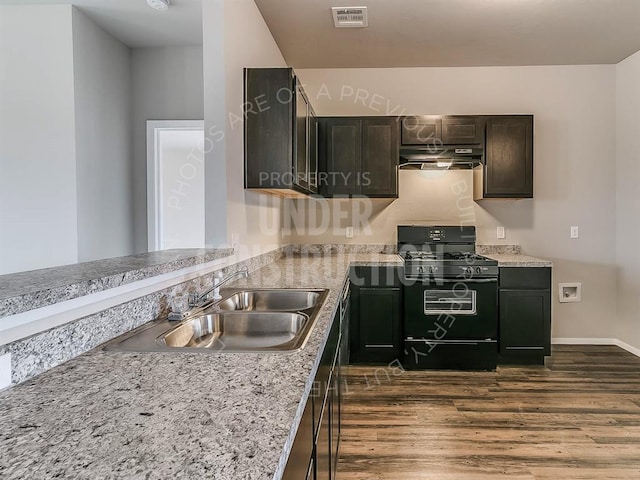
(525, 315)
(323, 443)
(314, 454)
(376, 315)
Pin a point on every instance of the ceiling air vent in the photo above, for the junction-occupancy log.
(349, 17)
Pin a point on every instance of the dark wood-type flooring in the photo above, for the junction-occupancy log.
(577, 419)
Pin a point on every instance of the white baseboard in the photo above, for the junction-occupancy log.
(597, 341)
(628, 348)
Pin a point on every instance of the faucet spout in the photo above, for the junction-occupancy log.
(198, 298)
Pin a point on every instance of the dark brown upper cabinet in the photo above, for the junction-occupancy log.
(421, 130)
(508, 168)
(461, 130)
(280, 137)
(441, 130)
(358, 156)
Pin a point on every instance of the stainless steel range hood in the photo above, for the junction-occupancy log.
(431, 157)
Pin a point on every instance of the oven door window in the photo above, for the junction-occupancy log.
(437, 302)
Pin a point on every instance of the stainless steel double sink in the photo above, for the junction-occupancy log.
(248, 320)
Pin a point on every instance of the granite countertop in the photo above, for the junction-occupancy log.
(24, 291)
(173, 415)
(518, 260)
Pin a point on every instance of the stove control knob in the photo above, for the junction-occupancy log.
(420, 269)
(468, 270)
(433, 269)
(478, 270)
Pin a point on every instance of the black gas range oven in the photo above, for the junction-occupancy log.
(450, 300)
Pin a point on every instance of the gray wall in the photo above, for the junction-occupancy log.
(167, 85)
(628, 198)
(102, 79)
(574, 169)
(37, 148)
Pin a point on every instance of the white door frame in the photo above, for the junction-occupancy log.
(154, 127)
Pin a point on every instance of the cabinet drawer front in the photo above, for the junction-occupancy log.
(376, 276)
(525, 278)
(479, 355)
(422, 130)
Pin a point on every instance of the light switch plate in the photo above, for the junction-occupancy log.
(575, 232)
(500, 232)
(5, 370)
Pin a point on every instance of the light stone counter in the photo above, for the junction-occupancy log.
(518, 260)
(24, 291)
(173, 415)
(511, 256)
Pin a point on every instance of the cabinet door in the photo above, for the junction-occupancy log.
(311, 473)
(378, 325)
(323, 444)
(525, 323)
(268, 128)
(380, 155)
(509, 157)
(301, 162)
(313, 152)
(422, 130)
(335, 424)
(343, 149)
(302, 449)
(461, 130)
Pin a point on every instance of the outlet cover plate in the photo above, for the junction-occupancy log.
(349, 232)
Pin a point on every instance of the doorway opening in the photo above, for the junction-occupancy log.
(175, 184)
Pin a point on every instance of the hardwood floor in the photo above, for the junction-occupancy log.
(577, 419)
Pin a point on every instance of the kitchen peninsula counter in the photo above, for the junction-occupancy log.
(225, 416)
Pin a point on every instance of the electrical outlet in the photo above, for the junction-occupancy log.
(575, 232)
(348, 232)
(500, 232)
(5, 371)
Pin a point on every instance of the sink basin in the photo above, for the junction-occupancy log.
(256, 320)
(238, 331)
(270, 300)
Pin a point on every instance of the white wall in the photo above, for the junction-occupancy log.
(254, 218)
(574, 167)
(235, 36)
(102, 81)
(167, 85)
(37, 149)
(215, 118)
(628, 198)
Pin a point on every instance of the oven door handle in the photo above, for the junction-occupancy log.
(464, 280)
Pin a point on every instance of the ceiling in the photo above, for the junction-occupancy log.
(137, 25)
(429, 33)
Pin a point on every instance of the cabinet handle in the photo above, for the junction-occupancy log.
(378, 346)
(525, 348)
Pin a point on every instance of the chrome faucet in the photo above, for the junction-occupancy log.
(196, 299)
